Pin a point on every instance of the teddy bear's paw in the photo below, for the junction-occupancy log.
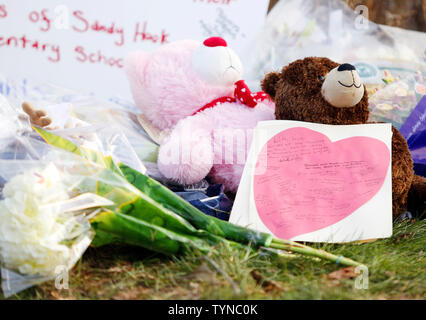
(183, 174)
(37, 117)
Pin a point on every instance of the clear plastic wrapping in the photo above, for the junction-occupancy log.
(44, 228)
(295, 29)
(47, 197)
(86, 116)
(395, 102)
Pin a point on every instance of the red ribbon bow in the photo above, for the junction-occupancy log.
(242, 94)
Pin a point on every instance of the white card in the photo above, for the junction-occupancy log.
(318, 183)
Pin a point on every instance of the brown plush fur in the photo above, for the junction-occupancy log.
(417, 196)
(297, 95)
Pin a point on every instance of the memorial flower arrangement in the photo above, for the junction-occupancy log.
(33, 235)
(43, 227)
(40, 229)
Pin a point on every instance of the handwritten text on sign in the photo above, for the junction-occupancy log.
(319, 183)
(81, 44)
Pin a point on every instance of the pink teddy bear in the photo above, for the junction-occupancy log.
(194, 92)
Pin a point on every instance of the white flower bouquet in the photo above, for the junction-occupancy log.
(47, 197)
(44, 221)
(32, 233)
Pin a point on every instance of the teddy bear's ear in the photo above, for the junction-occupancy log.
(294, 72)
(134, 65)
(269, 84)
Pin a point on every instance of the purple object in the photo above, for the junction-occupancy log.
(414, 130)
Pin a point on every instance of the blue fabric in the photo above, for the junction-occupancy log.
(213, 201)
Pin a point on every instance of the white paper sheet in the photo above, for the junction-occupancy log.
(318, 183)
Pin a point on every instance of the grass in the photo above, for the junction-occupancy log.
(396, 271)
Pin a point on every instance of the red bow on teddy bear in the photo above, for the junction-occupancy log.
(242, 94)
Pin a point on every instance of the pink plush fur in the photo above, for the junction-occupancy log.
(213, 142)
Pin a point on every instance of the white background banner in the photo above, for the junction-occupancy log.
(81, 44)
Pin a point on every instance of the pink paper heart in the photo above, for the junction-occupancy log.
(304, 182)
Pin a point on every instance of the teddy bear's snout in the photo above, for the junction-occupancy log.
(216, 63)
(342, 87)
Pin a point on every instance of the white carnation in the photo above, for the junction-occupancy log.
(32, 235)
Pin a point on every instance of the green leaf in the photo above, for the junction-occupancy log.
(133, 231)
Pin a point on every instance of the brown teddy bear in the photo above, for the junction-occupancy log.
(322, 91)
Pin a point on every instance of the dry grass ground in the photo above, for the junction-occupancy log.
(396, 271)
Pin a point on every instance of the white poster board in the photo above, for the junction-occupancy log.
(318, 183)
(80, 44)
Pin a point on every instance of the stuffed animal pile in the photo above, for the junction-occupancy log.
(194, 93)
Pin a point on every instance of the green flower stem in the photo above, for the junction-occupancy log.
(309, 251)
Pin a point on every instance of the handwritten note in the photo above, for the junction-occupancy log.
(314, 182)
(81, 44)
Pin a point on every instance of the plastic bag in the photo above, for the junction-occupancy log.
(12, 144)
(395, 102)
(86, 111)
(296, 29)
(47, 197)
(107, 139)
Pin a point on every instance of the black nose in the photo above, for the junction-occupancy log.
(346, 67)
